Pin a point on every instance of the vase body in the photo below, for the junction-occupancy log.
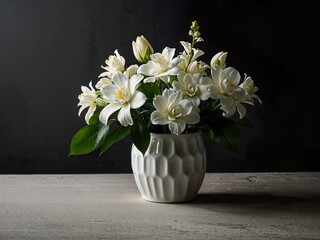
(172, 169)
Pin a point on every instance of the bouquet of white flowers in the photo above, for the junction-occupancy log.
(166, 93)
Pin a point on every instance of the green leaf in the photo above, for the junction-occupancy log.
(208, 133)
(87, 139)
(140, 135)
(94, 119)
(172, 79)
(114, 136)
(244, 122)
(226, 133)
(150, 90)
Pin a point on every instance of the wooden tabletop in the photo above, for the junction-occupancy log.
(109, 206)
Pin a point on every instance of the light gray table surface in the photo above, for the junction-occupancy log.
(109, 206)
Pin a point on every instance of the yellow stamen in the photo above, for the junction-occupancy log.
(121, 94)
(230, 82)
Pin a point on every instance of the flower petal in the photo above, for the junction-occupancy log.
(256, 97)
(81, 109)
(90, 85)
(158, 118)
(168, 53)
(160, 103)
(124, 115)
(197, 53)
(103, 81)
(104, 74)
(108, 92)
(85, 89)
(228, 110)
(134, 82)
(107, 111)
(177, 85)
(195, 100)
(186, 46)
(192, 118)
(149, 80)
(233, 74)
(138, 99)
(239, 94)
(185, 106)
(120, 80)
(177, 127)
(204, 93)
(241, 110)
(90, 112)
(147, 69)
(132, 70)
(226, 100)
(167, 92)
(175, 62)
(175, 98)
(206, 81)
(188, 79)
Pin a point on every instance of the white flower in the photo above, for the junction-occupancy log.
(219, 60)
(239, 97)
(142, 49)
(250, 88)
(172, 109)
(123, 95)
(87, 99)
(225, 88)
(193, 87)
(115, 63)
(132, 70)
(245, 93)
(160, 66)
(225, 81)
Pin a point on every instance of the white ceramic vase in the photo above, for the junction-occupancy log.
(172, 169)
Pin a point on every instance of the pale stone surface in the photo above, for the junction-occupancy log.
(229, 206)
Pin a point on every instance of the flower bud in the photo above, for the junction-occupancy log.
(197, 34)
(194, 26)
(101, 102)
(142, 49)
(219, 59)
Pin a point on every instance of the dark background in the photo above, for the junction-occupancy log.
(48, 49)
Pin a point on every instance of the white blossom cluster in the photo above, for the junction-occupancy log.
(189, 82)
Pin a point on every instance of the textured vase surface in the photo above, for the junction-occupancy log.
(172, 169)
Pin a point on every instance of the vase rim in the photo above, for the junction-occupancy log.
(174, 135)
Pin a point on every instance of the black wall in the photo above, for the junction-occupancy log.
(48, 49)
